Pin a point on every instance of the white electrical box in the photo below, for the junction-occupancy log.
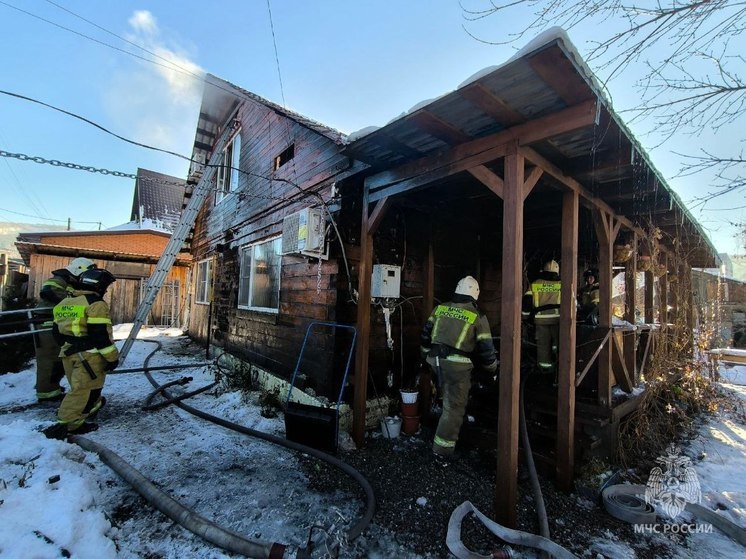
(386, 281)
(304, 233)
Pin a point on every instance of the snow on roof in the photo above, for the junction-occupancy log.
(146, 224)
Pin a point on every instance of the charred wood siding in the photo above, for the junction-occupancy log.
(252, 213)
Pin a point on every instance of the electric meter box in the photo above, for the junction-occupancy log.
(386, 281)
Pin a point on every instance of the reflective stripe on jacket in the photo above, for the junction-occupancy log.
(82, 322)
(545, 292)
(460, 327)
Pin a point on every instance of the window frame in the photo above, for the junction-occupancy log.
(241, 276)
(228, 171)
(207, 282)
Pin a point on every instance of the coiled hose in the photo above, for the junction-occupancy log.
(204, 528)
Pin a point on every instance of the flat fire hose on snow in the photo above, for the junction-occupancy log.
(515, 537)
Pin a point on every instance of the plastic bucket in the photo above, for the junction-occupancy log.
(408, 396)
(391, 427)
(409, 409)
(410, 424)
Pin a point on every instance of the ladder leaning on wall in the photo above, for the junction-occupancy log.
(178, 238)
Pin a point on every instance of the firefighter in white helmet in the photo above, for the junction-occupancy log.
(542, 303)
(455, 334)
(49, 370)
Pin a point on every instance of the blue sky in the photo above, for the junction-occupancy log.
(346, 64)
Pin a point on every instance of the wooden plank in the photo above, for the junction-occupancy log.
(377, 215)
(630, 295)
(603, 340)
(428, 297)
(599, 161)
(649, 314)
(604, 229)
(363, 326)
(567, 120)
(491, 104)
(438, 128)
(506, 485)
(567, 344)
(558, 71)
(620, 366)
(663, 296)
(531, 181)
(488, 178)
(393, 145)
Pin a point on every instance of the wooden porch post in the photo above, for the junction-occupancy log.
(649, 314)
(428, 295)
(606, 232)
(630, 290)
(663, 295)
(368, 225)
(506, 485)
(567, 340)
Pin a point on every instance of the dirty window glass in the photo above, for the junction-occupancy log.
(204, 271)
(259, 276)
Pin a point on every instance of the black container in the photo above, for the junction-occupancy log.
(312, 426)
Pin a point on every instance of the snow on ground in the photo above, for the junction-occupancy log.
(57, 500)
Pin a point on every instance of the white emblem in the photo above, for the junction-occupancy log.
(675, 486)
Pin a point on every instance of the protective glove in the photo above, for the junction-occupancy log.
(111, 365)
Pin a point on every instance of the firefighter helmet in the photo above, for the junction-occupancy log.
(80, 265)
(590, 272)
(468, 286)
(551, 266)
(96, 279)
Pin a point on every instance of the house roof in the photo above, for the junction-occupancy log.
(158, 198)
(548, 77)
(28, 248)
(219, 99)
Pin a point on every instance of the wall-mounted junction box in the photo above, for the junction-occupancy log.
(386, 281)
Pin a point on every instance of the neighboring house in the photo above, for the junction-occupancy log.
(158, 199)
(721, 302)
(130, 251)
(525, 160)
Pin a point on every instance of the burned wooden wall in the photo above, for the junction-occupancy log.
(254, 212)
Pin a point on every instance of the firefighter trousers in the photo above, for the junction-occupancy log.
(84, 397)
(49, 369)
(547, 340)
(455, 385)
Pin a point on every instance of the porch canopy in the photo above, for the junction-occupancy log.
(534, 137)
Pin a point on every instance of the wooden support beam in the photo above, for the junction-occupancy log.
(531, 180)
(630, 295)
(567, 344)
(663, 293)
(621, 373)
(377, 215)
(491, 104)
(599, 161)
(685, 276)
(506, 485)
(368, 225)
(557, 70)
(603, 338)
(478, 151)
(649, 310)
(428, 297)
(431, 124)
(393, 145)
(606, 235)
(488, 178)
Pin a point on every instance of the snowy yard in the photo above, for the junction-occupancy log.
(57, 500)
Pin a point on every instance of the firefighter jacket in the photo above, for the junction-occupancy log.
(457, 331)
(589, 295)
(53, 291)
(82, 322)
(542, 300)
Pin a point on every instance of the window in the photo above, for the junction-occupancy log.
(259, 277)
(284, 157)
(228, 170)
(204, 281)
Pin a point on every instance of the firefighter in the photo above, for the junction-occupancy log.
(542, 302)
(82, 326)
(49, 370)
(589, 297)
(456, 333)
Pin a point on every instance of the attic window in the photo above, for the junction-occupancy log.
(284, 157)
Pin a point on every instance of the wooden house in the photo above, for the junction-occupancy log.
(129, 251)
(521, 163)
